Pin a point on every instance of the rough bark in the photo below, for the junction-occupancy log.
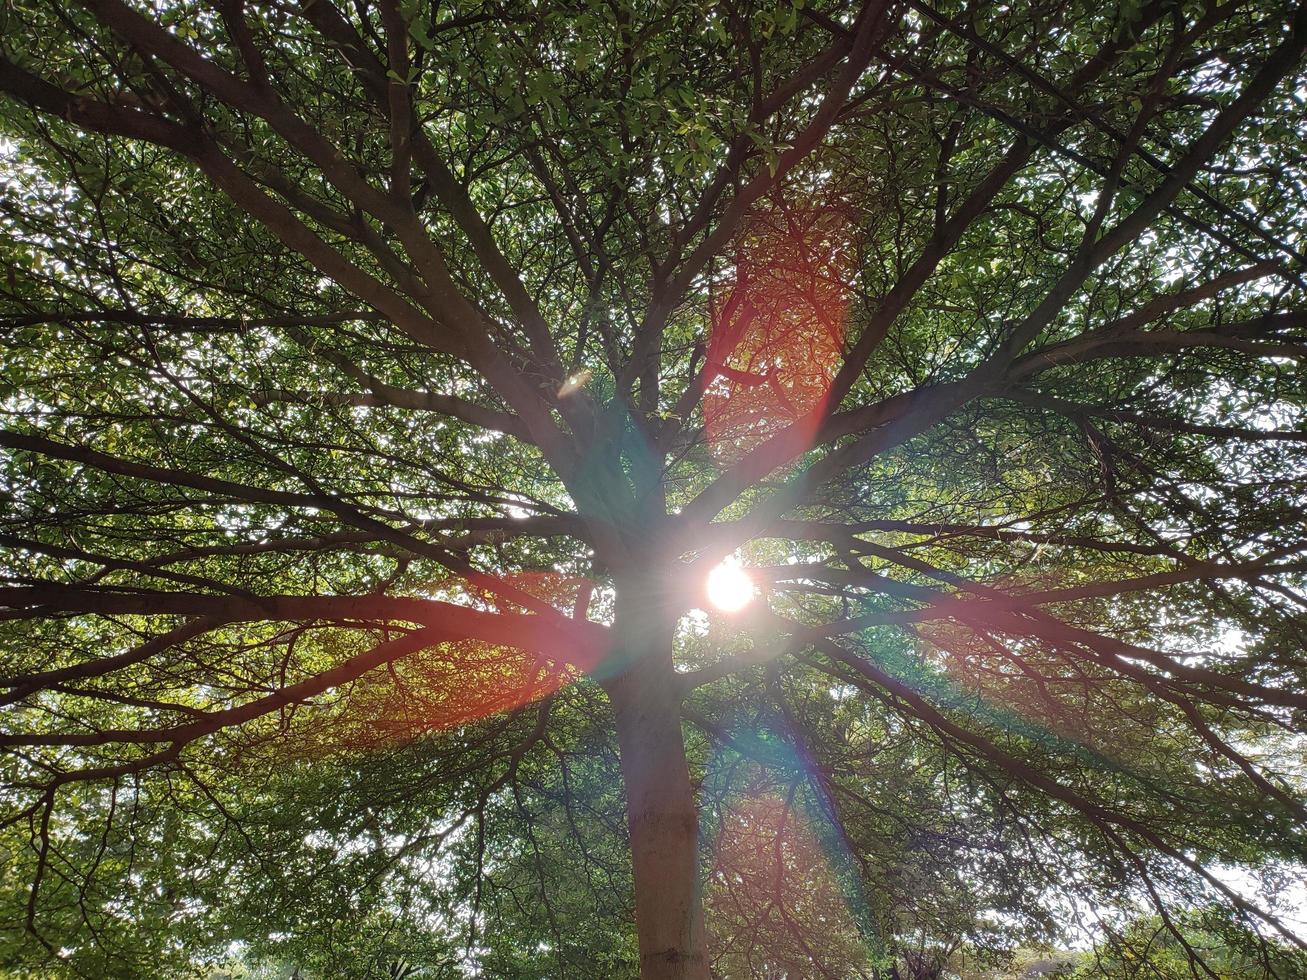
(661, 811)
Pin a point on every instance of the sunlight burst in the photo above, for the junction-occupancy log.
(730, 588)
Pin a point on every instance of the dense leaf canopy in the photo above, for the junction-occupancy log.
(380, 382)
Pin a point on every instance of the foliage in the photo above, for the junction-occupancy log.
(379, 382)
(1148, 948)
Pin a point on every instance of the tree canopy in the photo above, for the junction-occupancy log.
(381, 381)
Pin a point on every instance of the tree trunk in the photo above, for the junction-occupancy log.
(660, 804)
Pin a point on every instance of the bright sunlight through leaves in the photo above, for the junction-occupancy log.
(729, 588)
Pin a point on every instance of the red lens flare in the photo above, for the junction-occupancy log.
(460, 682)
(777, 335)
(774, 904)
(1029, 683)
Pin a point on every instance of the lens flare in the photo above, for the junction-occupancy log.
(777, 333)
(783, 893)
(459, 682)
(730, 588)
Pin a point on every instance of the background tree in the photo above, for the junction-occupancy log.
(380, 383)
(1146, 947)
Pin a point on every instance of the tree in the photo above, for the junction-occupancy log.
(380, 383)
(1148, 948)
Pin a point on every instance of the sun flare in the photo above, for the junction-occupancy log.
(730, 588)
